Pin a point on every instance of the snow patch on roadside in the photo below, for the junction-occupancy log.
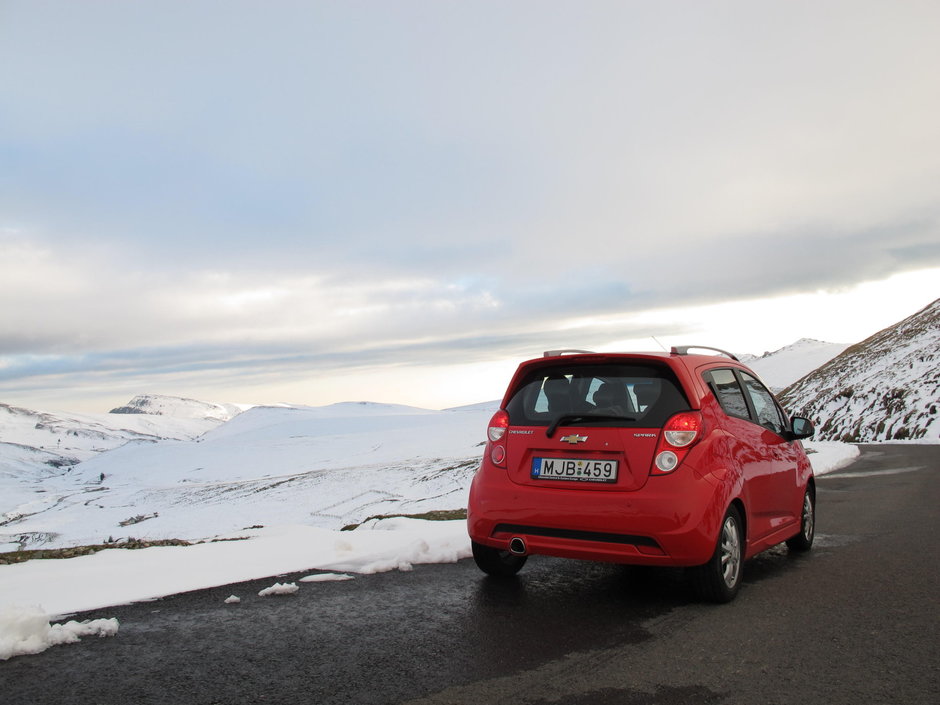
(28, 631)
(121, 576)
(326, 578)
(829, 456)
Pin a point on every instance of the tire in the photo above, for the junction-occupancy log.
(492, 561)
(720, 579)
(803, 541)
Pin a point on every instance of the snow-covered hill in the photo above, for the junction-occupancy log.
(39, 449)
(885, 388)
(783, 367)
(75, 437)
(319, 466)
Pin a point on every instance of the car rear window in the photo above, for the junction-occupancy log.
(643, 396)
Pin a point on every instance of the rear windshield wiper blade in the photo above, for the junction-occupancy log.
(568, 418)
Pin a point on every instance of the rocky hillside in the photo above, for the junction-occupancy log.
(885, 388)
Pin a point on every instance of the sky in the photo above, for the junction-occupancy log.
(312, 202)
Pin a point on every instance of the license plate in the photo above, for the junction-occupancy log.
(574, 469)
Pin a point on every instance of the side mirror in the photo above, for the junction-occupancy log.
(802, 428)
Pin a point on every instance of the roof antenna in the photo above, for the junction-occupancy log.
(658, 343)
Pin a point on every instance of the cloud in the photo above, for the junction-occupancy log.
(345, 184)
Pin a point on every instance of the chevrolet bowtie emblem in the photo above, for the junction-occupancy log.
(573, 439)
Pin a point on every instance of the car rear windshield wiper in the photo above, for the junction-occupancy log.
(568, 418)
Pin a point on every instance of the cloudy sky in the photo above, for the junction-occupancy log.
(398, 200)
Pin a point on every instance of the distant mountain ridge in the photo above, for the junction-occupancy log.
(177, 407)
(886, 387)
(70, 438)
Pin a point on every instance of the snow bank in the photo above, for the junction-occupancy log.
(325, 578)
(829, 456)
(26, 630)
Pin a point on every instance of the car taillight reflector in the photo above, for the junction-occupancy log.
(666, 461)
(680, 433)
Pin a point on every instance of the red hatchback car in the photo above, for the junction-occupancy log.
(658, 459)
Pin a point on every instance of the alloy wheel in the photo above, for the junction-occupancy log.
(730, 552)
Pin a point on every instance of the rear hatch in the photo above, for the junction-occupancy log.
(592, 426)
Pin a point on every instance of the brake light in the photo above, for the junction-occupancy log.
(679, 434)
(682, 429)
(498, 425)
(495, 433)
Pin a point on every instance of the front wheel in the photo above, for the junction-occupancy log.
(492, 561)
(720, 579)
(803, 541)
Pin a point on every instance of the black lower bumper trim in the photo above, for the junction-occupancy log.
(599, 536)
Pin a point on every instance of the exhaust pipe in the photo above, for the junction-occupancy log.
(517, 546)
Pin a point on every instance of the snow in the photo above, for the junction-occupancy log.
(75, 437)
(829, 456)
(326, 577)
(120, 576)
(28, 631)
(783, 367)
(262, 496)
(34, 591)
(320, 466)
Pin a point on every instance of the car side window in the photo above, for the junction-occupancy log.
(767, 412)
(725, 386)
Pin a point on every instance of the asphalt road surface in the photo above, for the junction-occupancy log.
(855, 621)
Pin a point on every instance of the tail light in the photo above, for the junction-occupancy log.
(495, 432)
(680, 433)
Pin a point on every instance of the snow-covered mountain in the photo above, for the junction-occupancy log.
(885, 388)
(178, 407)
(783, 367)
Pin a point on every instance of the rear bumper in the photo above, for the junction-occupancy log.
(672, 521)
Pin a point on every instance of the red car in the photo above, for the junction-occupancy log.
(658, 459)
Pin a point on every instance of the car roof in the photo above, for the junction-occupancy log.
(680, 350)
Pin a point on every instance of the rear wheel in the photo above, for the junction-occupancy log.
(720, 578)
(493, 561)
(803, 541)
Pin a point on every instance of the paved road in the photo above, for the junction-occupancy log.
(855, 621)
